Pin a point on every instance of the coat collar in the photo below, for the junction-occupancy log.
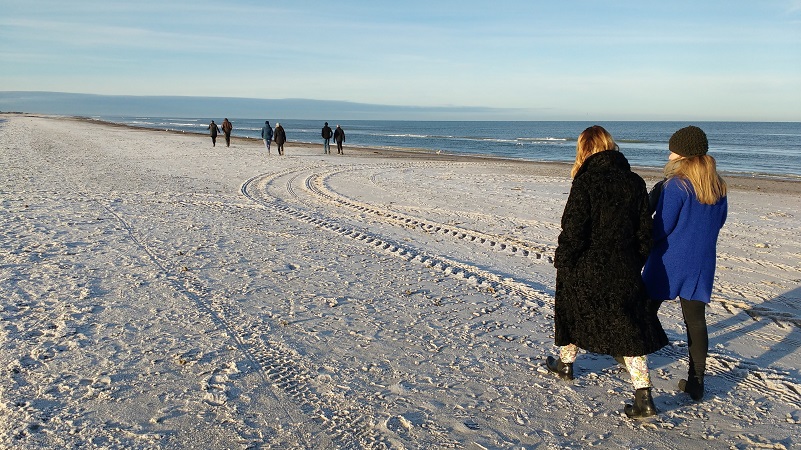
(609, 159)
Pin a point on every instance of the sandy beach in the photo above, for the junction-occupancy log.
(158, 292)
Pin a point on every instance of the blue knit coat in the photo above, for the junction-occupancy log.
(682, 259)
(601, 304)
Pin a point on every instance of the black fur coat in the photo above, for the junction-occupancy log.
(601, 302)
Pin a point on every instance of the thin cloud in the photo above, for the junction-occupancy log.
(89, 35)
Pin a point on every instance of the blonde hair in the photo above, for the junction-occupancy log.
(591, 141)
(701, 172)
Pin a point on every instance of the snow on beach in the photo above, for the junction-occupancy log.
(161, 293)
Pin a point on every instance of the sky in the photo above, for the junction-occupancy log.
(532, 60)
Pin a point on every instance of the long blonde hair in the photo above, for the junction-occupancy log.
(591, 141)
(701, 172)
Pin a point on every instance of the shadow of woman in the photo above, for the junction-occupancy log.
(744, 349)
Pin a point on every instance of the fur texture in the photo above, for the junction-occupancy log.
(601, 303)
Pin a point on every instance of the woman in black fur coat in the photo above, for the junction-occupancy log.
(601, 304)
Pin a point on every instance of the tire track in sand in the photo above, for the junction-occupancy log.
(256, 189)
(315, 183)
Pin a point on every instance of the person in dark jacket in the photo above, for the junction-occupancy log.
(213, 129)
(227, 127)
(326, 133)
(280, 138)
(267, 135)
(339, 138)
(691, 208)
(601, 304)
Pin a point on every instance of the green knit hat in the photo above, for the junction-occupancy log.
(688, 142)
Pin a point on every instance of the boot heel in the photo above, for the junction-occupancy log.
(643, 405)
(693, 387)
(564, 370)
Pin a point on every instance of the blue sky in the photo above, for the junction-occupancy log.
(573, 60)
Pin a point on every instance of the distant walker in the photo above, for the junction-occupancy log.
(213, 130)
(267, 135)
(326, 133)
(227, 127)
(339, 137)
(280, 138)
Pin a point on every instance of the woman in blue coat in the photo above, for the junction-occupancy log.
(691, 208)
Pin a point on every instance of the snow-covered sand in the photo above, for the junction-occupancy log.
(161, 293)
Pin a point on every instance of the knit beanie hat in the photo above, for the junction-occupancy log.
(688, 142)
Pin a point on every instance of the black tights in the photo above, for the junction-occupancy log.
(694, 313)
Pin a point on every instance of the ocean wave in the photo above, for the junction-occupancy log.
(411, 135)
(515, 141)
(172, 124)
(543, 139)
(150, 123)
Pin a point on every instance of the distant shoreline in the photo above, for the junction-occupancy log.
(735, 180)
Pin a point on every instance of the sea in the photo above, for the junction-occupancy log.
(765, 149)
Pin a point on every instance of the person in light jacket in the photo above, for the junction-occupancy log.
(227, 127)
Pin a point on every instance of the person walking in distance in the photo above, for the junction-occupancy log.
(601, 304)
(339, 138)
(690, 209)
(227, 127)
(280, 138)
(326, 133)
(213, 130)
(267, 135)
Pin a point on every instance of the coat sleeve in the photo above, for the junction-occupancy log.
(576, 221)
(653, 196)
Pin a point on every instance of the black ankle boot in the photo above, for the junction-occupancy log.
(643, 405)
(564, 370)
(694, 386)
